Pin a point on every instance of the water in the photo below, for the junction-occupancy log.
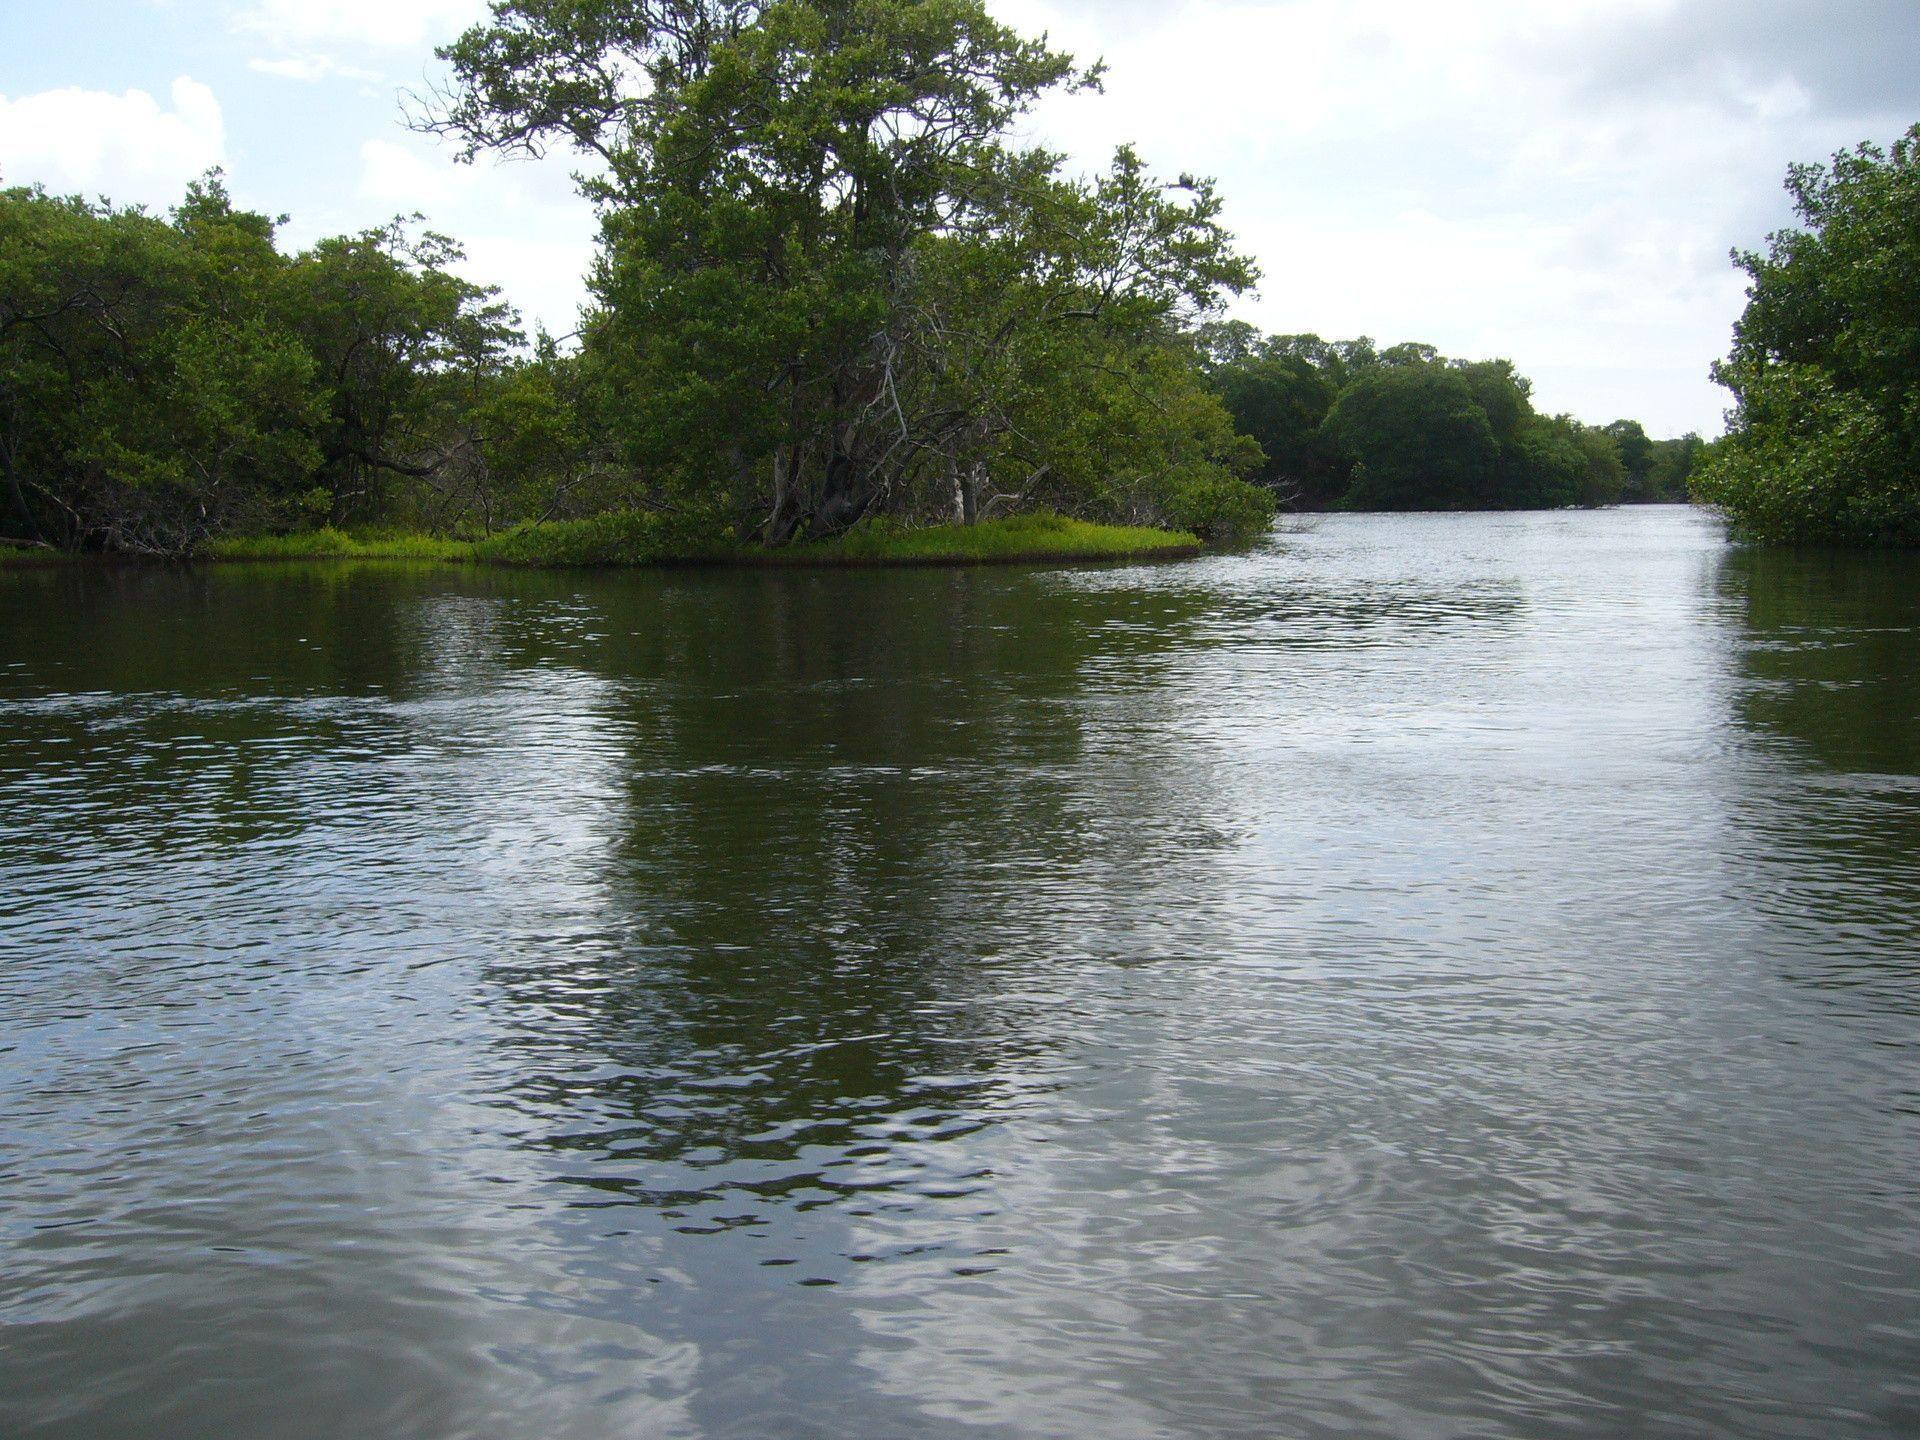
(1435, 976)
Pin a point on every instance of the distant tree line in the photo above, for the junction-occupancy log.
(834, 287)
(1345, 424)
(1824, 445)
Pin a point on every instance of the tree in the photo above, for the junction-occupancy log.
(1824, 443)
(1282, 404)
(148, 395)
(1674, 462)
(166, 380)
(1637, 455)
(1418, 440)
(829, 285)
(403, 348)
(1346, 424)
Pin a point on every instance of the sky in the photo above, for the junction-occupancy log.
(1556, 182)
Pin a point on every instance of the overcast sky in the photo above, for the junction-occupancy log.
(1554, 181)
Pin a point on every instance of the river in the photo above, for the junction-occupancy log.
(1431, 976)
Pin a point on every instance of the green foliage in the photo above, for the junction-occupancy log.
(146, 396)
(328, 543)
(167, 381)
(1825, 440)
(632, 537)
(1345, 424)
(1669, 480)
(405, 350)
(1282, 403)
(831, 287)
(1417, 439)
(1813, 463)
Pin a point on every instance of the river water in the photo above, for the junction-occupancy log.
(1432, 976)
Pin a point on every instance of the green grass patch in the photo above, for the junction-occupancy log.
(647, 538)
(1030, 538)
(332, 544)
(30, 557)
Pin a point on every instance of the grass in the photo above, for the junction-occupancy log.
(332, 544)
(643, 538)
(30, 557)
(1018, 538)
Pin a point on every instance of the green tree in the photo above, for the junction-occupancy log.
(149, 396)
(829, 284)
(163, 381)
(403, 348)
(1418, 439)
(1405, 428)
(1824, 444)
(1282, 404)
(1674, 462)
(1637, 456)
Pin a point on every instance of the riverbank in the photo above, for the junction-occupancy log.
(639, 539)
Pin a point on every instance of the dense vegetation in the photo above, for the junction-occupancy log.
(831, 291)
(164, 381)
(832, 286)
(1344, 424)
(1825, 440)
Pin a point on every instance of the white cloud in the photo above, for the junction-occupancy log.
(386, 24)
(523, 225)
(128, 146)
(1558, 184)
(308, 68)
(404, 179)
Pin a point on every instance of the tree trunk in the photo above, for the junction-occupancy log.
(777, 529)
(970, 492)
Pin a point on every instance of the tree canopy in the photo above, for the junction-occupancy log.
(1824, 444)
(831, 285)
(164, 380)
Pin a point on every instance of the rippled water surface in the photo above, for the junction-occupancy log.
(1435, 976)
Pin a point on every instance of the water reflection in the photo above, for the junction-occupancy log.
(1828, 680)
(822, 881)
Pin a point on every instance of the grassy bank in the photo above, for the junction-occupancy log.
(25, 557)
(639, 538)
(331, 544)
(1017, 539)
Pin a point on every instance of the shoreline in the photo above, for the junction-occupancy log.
(634, 542)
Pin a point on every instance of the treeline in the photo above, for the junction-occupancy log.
(164, 381)
(169, 381)
(830, 289)
(1345, 424)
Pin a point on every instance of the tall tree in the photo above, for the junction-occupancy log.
(829, 283)
(1825, 368)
